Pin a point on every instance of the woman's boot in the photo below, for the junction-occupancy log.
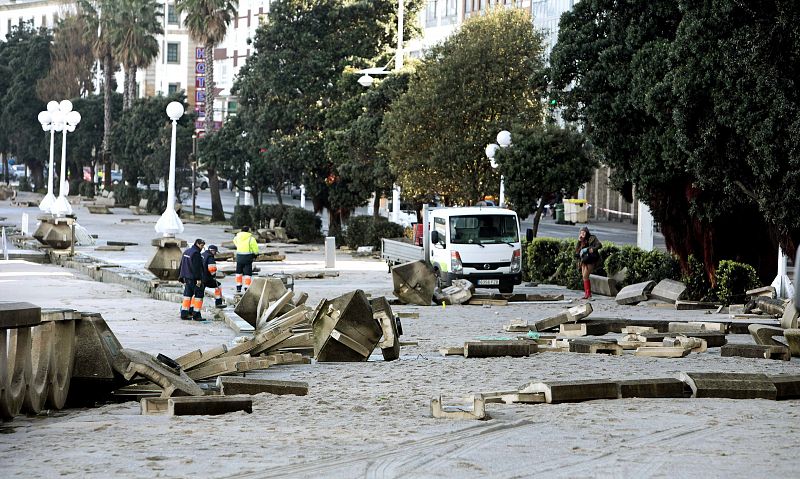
(587, 289)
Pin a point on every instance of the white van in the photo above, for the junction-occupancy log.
(481, 244)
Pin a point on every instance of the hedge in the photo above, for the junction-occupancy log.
(368, 231)
(301, 224)
(549, 260)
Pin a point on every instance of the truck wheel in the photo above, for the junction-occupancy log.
(506, 288)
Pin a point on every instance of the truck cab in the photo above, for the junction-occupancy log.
(481, 244)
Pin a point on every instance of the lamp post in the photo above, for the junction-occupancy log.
(69, 120)
(48, 121)
(169, 224)
(503, 141)
(247, 194)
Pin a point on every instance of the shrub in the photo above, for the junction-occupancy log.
(85, 188)
(368, 231)
(567, 272)
(125, 195)
(25, 184)
(156, 200)
(303, 225)
(698, 287)
(540, 255)
(733, 279)
(653, 266)
(241, 216)
(261, 215)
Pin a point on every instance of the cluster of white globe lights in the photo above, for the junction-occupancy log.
(59, 116)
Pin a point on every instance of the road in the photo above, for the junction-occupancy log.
(608, 231)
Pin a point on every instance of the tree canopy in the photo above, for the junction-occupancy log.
(481, 80)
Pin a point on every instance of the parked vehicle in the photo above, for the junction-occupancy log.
(17, 171)
(295, 192)
(481, 244)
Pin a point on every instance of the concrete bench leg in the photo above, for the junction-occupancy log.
(15, 352)
(62, 362)
(39, 368)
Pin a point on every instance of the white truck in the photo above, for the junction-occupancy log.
(478, 243)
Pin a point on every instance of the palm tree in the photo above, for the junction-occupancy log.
(98, 15)
(207, 21)
(135, 24)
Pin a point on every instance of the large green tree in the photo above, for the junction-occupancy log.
(207, 21)
(294, 80)
(86, 142)
(680, 98)
(543, 161)
(24, 60)
(134, 27)
(481, 80)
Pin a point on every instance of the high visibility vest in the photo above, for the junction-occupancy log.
(245, 243)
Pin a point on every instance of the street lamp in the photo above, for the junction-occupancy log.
(68, 120)
(169, 224)
(47, 119)
(247, 194)
(503, 141)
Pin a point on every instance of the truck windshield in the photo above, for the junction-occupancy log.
(483, 229)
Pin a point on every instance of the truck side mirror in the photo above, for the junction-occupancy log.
(435, 237)
(529, 235)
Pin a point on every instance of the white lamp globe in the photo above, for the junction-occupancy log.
(365, 81)
(52, 106)
(44, 118)
(65, 106)
(504, 138)
(73, 118)
(175, 110)
(491, 150)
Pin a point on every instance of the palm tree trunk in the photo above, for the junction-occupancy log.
(216, 201)
(108, 72)
(279, 195)
(376, 205)
(126, 90)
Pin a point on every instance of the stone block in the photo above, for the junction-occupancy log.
(668, 290)
(345, 329)
(574, 391)
(789, 316)
(498, 348)
(414, 283)
(459, 292)
(696, 327)
(231, 385)
(595, 346)
(266, 315)
(513, 397)
(196, 406)
(793, 340)
(473, 407)
(603, 286)
(787, 386)
(662, 352)
(763, 334)
(635, 293)
(713, 339)
(758, 351)
(653, 388)
(772, 306)
(452, 351)
(17, 314)
(579, 312)
(552, 322)
(766, 291)
(132, 362)
(390, 341)
(518, 326)
(583, 329)
(694, 345)
(193, 358)
(261, 293)
(730, 385)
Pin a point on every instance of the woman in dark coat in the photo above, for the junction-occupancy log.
(588, 256)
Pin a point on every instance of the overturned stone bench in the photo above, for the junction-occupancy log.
(473, 407)
(757, 351)
(196, 406)
(141, 208)
(730, 385)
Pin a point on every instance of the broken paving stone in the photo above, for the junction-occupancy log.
(131, 362)
(583, 329)
(713, 339)
(595, 346)
(574, 391)
(766, 291)
(793, 340)
(635, 293)
(653, 388)
(695, 327)
(787, 386)
(662, 352)
(231, 385)
(414, 283)
(579, 312)
(694, 345)
(196, 406)
(789, 318)
(552, 322)
(345, 329)
(668, 290)
(730, 385)
(498, 348)
(453, 351)
(459, 292)
(473, 407)
(758, 351)
(194, 358)
(518, 326)
(603, 286)
(764, 334)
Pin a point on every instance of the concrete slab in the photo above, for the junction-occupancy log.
(552, 322)
(787, 385)
(653, 388)
(196, 406)
(635, 293)
(603, 286)
(662, 352)
(231, 385)
(730, 385)
(499, 348)
(263, 291)
(668, 290)
(390, 340)
(18, 314)
(132, 362)
(758, 351)
(574, 391)
(595, 346)
(789, 318)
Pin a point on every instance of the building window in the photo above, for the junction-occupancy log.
(173, 88)
(430, 12)
(172, 15)
(173, 52)
(232, 107)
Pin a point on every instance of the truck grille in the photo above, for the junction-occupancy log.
(487, 266)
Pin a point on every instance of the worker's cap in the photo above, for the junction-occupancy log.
(212, 248)
(199, 241)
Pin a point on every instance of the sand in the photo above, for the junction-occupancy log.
(372, 419)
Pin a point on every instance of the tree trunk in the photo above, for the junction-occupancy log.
(279, 195)
(216, 201)
(125, 90)
(108, 72)
(536, 217)
(217, 214)
(376, 206)
(5, 167)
